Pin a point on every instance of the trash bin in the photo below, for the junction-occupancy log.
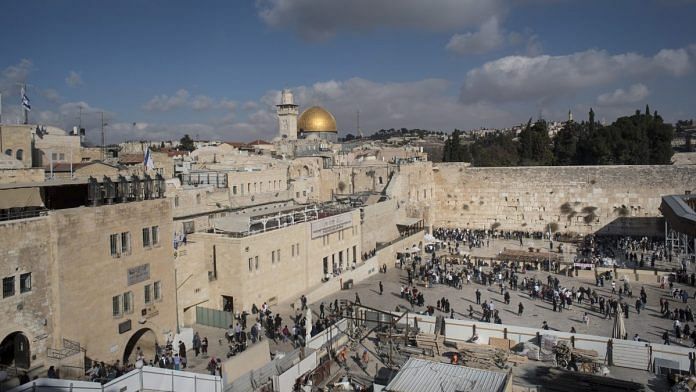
(348, 284)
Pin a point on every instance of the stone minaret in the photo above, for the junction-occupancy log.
(287, 116)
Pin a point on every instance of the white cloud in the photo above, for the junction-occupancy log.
(525, 78)
(12, 76)
(202, 102)
(634, 93)
(52, 95)
(321, 19)
(165, 103)
(487, 38)
(182, 98)
(227, 104)
(250, 105)
(121, 131)
(425, 104)
(74, 79)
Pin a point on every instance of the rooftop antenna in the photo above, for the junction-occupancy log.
(359, 130)
(103, 144)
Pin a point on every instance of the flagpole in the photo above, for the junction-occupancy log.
(26, 112)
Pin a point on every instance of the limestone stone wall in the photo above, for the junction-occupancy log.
(293, 273)
(88, 276)
(65, 148)
(580, 199)
(379, 223)
(25, 248)
(17, 176)
(14, 138)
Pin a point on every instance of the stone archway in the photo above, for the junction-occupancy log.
(14, 350)
(145, 339)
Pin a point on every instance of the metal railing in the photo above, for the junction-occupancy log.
(6, 215)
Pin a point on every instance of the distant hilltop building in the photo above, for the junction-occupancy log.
(314, 123)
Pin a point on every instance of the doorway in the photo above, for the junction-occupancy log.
(228, 303)
(144, 339)
(14, 351)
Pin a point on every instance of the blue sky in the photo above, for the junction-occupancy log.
(160, 69)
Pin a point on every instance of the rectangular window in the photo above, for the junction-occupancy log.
(148, 294)
(8, 286)
(25, 282)
(256, 262)
(54, 156)
(125, 242)
(278, 252)
(234, 189)
(292, 250)
(155, 235)
(62, 156)
(157, 290)
(116, 305)
(297, 247)
(146, 237)
(273, 257)
(113, 241)
(251, 264)
(128, 302)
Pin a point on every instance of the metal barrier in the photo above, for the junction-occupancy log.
(213, 317)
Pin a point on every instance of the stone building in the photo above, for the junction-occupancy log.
(253, 258)
(15, 142)
(84, 275)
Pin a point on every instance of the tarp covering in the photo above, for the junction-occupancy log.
(20, 198)
(408, 221)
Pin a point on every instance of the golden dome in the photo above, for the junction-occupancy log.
(316, 119)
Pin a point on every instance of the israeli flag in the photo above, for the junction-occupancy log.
(26, 104)
(148, 161)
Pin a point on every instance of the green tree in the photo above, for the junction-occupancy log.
(186, 143)
(535, 145)
(495, 149)
(565, 144)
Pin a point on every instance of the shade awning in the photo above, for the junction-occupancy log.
(20, 198)
(408, 221)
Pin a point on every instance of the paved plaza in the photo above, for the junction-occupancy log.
(650, 325)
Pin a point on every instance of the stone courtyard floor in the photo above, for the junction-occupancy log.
(649, 324)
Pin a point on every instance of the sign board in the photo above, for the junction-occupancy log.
(124, 326)
(138, 274)
(331, 224)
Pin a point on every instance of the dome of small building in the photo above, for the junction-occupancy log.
(316, 119)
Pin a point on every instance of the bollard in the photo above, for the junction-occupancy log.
(572, 341)
(504, 333)
(538, 336)
(610, 353)
(692, 363)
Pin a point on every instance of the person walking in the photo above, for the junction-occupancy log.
(196, 344)
(381, 288)
(478, 297)
(357, 299)
(520, 309)
(204, 347)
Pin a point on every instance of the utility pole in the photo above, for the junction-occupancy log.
(359, 130)
(103, 145)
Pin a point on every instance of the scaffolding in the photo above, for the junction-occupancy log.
(680, 228)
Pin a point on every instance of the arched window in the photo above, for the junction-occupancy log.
(8, 152)
(20, 154)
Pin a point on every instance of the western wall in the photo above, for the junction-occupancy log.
(573, 199)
